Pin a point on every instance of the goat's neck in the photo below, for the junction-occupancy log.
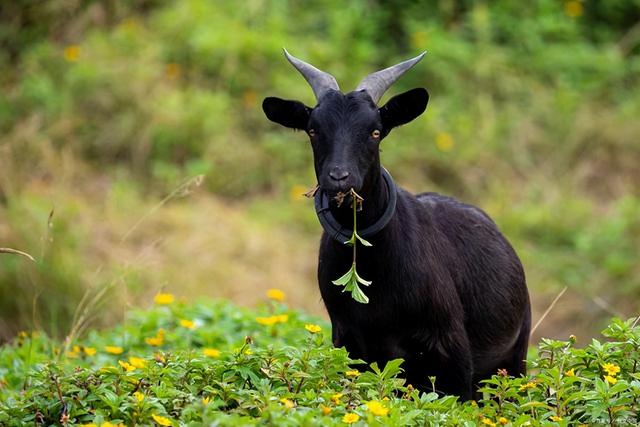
(375, 197)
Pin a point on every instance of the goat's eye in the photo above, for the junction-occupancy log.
(375, 134)
(311, 132)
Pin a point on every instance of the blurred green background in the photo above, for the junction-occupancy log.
(112, 110)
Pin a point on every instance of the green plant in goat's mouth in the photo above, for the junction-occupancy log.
(351, 279)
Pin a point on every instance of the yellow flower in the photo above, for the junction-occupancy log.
(205, 400)
(164, 299)
(377, 408)
(154, 341)
(276, 295)
(249, 98)
(336, 398)
(189, 324)
(503, 420)
(325, 410)
(72, 53)
(267, 321)
(570, 373)
(528, 386)
(286, 402)
(488, 422)
(272, 320)
(139, 396)
(161, 420)
(113, 349)
(211, 352)
(137, 362)
(419, 39)
(314, 329)
(444, 141)
(126, 366)
(573, 8)
(297, 193)
(611, 369)
(173, 71)
(610, 379)
(555, 418)
(352, 373)
(350, 418)
(89, 351)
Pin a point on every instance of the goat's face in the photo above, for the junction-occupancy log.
(345, 132)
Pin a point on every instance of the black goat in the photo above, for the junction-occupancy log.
(449, 293)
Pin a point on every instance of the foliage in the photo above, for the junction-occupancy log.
(107, 106)
(213, 362)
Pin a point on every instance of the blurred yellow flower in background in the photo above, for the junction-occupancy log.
(156, 341)
(573, 8)
(314, 329)
(272, 320)
(72, 53)
(164, 299)
(173, 71)
(211, 352)
(297, 193)
(189, 324)
(444, 142)
(113, 349)
(276, 294)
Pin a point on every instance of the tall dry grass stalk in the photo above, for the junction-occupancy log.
(86, 310)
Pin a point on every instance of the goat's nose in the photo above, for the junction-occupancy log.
(338, 174)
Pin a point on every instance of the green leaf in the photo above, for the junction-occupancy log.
(345, 278)
(358, 295)
(357, 236)
(360, 279)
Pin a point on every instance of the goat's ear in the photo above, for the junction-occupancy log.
(291, 114)
(403, 108)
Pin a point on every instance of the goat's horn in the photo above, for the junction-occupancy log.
(319, 81)
(376, 84)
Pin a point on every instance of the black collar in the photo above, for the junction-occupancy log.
(342, 234)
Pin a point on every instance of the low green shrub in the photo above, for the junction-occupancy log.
(215, 363)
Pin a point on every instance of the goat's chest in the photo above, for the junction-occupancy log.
(398, 295)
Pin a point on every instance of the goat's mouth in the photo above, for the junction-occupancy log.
(346, 198)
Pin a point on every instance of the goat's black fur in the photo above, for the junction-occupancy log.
(448, 293)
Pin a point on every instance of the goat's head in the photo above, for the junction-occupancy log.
(346, 129)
